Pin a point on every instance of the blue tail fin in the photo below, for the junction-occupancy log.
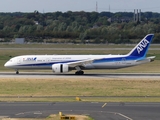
(140, 50)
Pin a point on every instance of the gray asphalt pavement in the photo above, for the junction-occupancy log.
(70, 75)
(98, 111)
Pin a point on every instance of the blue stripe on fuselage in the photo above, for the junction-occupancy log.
(128, 58)
(47, 64)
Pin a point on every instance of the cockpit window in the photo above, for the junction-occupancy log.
(10, 60)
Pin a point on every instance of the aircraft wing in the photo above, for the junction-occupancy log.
(81, 62)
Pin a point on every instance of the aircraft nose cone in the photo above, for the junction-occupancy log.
(6, 64)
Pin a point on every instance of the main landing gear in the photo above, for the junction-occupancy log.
(17, 72)
(79, 72)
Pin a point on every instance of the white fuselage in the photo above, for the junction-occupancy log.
(46, 61)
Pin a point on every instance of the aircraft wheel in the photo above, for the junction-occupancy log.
(79, 73)
(17, 72)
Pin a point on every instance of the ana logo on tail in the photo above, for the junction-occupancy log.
(142, 45)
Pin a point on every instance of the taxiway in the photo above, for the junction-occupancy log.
(111, 111)
(52, 75)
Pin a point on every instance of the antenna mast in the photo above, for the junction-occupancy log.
(96, 6)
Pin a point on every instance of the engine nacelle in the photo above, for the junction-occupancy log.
(60, 68)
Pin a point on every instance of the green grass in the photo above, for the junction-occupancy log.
(48, 45)
(132, 90)
(84, 99)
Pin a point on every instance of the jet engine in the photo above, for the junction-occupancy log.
(60, 68)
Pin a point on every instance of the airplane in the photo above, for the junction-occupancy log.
(65, 63)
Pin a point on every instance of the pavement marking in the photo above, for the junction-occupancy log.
(37, 113)
(94, 102)
(20, 114)
(104, 105)
(124, 116)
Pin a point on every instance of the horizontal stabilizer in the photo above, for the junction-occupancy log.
(151, 58)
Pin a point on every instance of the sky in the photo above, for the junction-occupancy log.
(45, 6)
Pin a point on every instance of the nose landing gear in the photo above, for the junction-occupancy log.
(17, 72)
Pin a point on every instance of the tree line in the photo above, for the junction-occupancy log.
(104, 27)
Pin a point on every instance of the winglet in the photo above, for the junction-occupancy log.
(141, 49)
